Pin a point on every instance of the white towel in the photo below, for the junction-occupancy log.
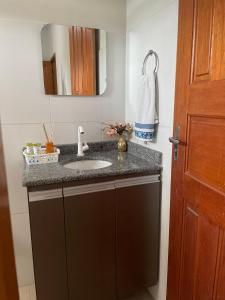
(146, 108)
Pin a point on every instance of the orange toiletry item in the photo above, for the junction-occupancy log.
(49, 147)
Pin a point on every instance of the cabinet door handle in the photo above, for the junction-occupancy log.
(45, 195)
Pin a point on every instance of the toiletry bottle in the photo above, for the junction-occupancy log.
(37, 148)
(29, 148)
(49, 147)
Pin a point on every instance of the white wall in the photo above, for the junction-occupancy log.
(23, 105)
(153, 25)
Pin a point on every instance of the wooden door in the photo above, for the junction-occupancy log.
(8, 280)
(83, 61)
(138, 226)
(50, 76)
(197, 225)
(49, 244)
(90, 231)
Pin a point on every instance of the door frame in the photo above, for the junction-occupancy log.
(8, 278)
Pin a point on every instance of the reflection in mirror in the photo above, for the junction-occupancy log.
(74, 60)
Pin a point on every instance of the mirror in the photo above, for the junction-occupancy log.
(74, 60)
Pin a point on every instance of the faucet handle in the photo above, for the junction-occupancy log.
(81, 146)
(85, 147)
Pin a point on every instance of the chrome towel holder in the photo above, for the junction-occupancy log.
(150, 53)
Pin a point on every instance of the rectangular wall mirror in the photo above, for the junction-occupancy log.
(74, 60)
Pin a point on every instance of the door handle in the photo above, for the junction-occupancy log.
(175, 141)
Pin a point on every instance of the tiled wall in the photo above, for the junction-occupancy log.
(153, 25)
(24, 107)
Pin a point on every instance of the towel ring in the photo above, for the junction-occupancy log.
(150, 53)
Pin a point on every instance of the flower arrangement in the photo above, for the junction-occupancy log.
(123, 130)
(113, 129)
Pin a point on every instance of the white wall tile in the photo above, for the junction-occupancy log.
(75, 109)
(161, 142)
(137, 10)
(92, 131)
(113, 109)
(27, 292)
(66, 133)
(159, 291)
(24, 293)
(14, 138)
(22, 247)
(104, 14)
(22, 98)
(158, 33)
(33, 293)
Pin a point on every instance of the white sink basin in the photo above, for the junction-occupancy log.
(88, 164)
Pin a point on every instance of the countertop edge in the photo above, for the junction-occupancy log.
(144, 153)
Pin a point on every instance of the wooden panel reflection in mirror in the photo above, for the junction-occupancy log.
(83, 60)
(50, 77)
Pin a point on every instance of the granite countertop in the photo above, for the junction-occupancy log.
(137, 161)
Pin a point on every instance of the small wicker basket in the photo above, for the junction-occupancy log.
(42, 158)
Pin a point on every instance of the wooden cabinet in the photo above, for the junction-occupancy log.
(90, 235)
(48, 244)
(138, 217)
(97, 242)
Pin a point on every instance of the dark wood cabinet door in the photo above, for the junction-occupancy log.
(48, 243)
(138, 224)
(90, 235)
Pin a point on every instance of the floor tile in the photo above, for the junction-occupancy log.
(27, 292)
(141, 296)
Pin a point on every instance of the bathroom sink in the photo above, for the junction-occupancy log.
(88, 164)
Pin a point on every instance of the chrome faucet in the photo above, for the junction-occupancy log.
(82, 147)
